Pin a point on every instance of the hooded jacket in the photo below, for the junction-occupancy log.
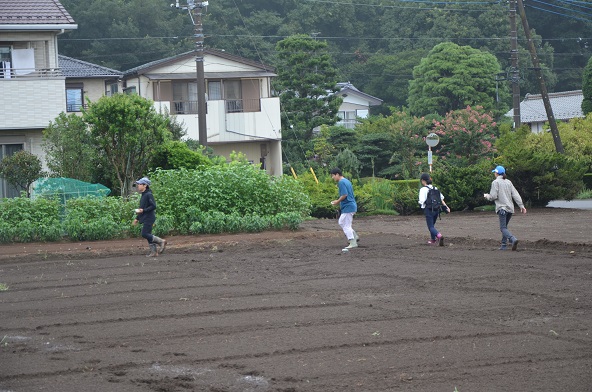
(148, 204)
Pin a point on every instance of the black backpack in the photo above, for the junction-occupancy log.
(434, 200)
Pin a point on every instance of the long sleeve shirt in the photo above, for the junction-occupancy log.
(504, 194)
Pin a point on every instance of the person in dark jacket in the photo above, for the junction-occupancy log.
(146, 215)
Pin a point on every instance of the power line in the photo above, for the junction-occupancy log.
(404, 7)
(556, 13)
(573, 3)
(558, 6)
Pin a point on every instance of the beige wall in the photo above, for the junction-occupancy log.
(31, 138)
(94, 89)
(44, 43)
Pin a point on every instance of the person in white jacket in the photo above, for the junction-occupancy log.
(504, 194)
(431, 213)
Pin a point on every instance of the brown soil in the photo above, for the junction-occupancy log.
(288, 311)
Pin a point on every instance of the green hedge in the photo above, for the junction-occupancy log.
(588, 180)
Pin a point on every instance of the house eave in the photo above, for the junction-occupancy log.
(37, 27)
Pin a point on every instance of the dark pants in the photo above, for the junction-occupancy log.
(147, 232)
(504, 219)
(431, 218)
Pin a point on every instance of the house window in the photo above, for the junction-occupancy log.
(362, 113)
(184, 98)
(129, 90)
(74, 97)
(214, 91)
(240, 95)
(5, 62)
(348, 119)
(6, 189)
(233, 96)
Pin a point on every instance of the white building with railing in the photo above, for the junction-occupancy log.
(242, 115)
(356, 104)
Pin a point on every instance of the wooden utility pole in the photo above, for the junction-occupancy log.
(199, 65)
(514, 71)
(539, 75)
(195, 11)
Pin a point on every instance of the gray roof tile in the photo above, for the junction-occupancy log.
(74, 68)
(25, 12)
(566, 105)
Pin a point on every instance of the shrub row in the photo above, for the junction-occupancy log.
(232, 198)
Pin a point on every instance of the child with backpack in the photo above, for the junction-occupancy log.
(432, 202)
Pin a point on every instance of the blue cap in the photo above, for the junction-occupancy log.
(499, 170)
(143, 181)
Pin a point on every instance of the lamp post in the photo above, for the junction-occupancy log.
(432, 140)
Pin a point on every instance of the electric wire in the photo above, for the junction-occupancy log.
(563, 8)
(399, 7)
(573, 3)
(557, 13)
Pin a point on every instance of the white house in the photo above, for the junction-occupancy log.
(242, 115)
(33, 88)
(566, 105)
(356, 104)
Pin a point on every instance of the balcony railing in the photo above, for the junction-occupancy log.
(349, 124)
(75, 107)
(184, 107)
(13, 73)
(243, 105)
(231, 105)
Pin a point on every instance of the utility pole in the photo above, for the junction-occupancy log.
(195, 12)
(514, 70)
(539, 75)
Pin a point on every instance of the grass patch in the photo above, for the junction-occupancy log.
(3, 287)
(584, 194)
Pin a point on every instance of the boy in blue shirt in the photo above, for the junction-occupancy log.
(348, 206)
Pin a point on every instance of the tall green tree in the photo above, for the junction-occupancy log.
(374, 152)
(126, 130)
(587, 88)
(306, 83)
(453, 77)
(404, 153)
(69, 149)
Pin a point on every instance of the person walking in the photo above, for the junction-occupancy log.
(504, 194)
(348, 206)
(146, 215)
(431, 200)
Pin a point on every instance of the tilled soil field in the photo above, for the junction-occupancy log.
(288, 311)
